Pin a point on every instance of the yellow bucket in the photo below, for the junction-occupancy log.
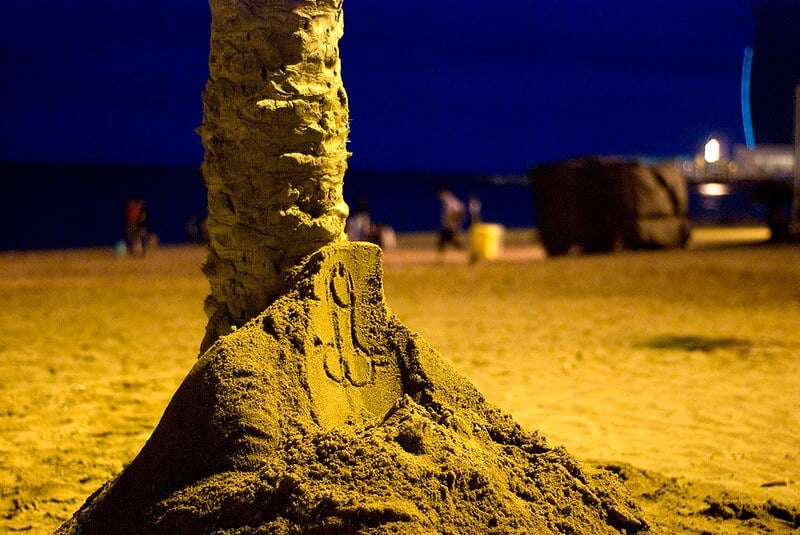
(486, 240)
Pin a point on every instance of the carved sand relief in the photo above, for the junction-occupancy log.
(351, 374)
(345, 359)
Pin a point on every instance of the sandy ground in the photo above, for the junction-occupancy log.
(677, 369)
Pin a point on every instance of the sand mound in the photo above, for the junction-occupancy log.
(326, 415)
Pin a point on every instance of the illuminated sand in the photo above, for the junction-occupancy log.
(682, 363)
(325, 414)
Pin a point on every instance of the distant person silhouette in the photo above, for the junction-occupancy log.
(359, 225)
(453, 214)
(474, 206)
(137, 237)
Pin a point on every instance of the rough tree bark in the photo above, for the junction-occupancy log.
(275, 125)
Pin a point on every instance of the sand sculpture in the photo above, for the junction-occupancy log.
(322, 413)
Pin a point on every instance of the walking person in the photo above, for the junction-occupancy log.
(135, 216)
(453, 214)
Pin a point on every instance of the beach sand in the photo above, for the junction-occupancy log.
(677, 369)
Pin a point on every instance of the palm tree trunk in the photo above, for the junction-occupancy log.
(275, 125)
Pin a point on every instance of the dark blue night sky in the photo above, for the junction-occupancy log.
(479, 85)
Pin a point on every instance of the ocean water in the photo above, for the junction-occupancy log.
(63, 206)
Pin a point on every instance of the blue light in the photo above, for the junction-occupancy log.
(747, 117)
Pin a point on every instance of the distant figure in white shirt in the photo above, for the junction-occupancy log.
(453, 214)
(359, 224)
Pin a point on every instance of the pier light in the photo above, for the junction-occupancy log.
(712, 151)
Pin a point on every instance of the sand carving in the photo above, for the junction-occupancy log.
(350, 372)
(321, 412)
